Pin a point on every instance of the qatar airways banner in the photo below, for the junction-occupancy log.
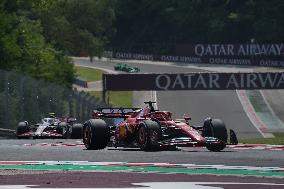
(267, 55)
(232, 50)
(193, 81)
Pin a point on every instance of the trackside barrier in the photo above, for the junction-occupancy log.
(193, 81)
(23, 98)
(7, 133)
(264, 55)
(81, 82)
(240, 61)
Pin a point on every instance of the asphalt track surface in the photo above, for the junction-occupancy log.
(73, 150)
(229, 171)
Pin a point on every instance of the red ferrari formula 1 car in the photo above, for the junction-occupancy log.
(150, 129)
(50, 127)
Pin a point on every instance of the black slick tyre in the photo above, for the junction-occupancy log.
(64, 129)
(149, 135)
(215, 147)
(21, 129)
(215, 128)
(96, 134)
(77, 131)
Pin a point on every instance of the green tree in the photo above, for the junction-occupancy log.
(158, 25)
(78, 27)
(24, 48)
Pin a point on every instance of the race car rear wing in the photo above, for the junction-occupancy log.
(114, 112)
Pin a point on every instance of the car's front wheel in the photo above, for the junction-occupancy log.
(96, 134)
(215, 128)
(149, 135)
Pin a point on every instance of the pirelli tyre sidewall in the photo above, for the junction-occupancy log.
(149, 135)
(21, 129)
(217, 129)
(96, 134)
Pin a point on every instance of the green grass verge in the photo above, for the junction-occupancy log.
(279, 139)
(89, 74)
(116, 99)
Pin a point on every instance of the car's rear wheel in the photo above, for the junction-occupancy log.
(77, 131)
(215, 128)
(96, 134)
(21, 129)
(149, 135)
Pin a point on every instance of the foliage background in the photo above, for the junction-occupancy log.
(158, 25)
(37, 35)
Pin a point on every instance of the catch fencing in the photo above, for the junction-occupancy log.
(23, 98)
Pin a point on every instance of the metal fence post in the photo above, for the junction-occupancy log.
(7, 108)
(22, 99)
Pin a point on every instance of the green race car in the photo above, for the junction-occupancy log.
(126, 68)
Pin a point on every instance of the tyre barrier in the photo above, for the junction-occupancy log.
(81, 82)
